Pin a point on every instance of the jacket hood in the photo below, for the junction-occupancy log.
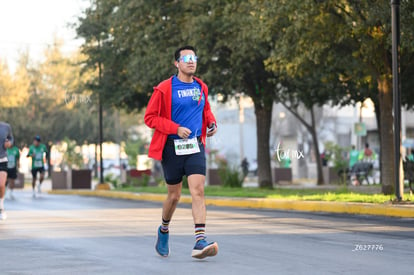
(165, 85)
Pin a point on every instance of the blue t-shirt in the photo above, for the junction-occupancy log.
(185, 107)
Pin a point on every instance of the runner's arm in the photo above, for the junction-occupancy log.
(153, 119)
(9, 139)
(210, 119)
(30, 153)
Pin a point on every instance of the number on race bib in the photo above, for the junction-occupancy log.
(186, 146)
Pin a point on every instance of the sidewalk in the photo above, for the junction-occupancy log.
(389, 210)
(47, 184)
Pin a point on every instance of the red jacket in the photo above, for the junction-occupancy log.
(158, 116)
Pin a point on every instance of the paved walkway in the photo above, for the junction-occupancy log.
(66, 235)
(391, 210)
(387, 209)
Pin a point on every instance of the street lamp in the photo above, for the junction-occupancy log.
(239, 99)
(395, 25)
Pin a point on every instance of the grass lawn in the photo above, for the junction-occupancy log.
(307, 194)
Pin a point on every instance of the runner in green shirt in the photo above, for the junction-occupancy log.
(37, 151)
(13, 156)
(353, 156)
(410, 155)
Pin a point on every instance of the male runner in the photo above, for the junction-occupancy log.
(13, 156)
(180, 113)
(37, 151)
(6, 141)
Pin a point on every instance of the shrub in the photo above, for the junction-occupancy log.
(141, 181)
(337, 155)
(111, 178)
(230, 176)
(185, 182)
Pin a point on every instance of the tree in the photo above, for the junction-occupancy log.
(13, 88)
(138, 38)
(118, 53)
(51, 100)
(309, 76)
(357, 34)
(340, 50)
(235, 53)
(143, 36)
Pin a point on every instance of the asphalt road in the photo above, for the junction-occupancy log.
(56, 234)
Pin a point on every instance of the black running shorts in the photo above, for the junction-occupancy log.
(12, 173)
(39, 170)
(175, 167)
(3, 166)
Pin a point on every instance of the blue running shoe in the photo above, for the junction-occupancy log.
(162, 243)
(203, 249)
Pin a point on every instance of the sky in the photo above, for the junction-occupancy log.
(32, 25)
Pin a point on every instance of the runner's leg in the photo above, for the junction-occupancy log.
(34, 177)
(41, 177)
(3, 178)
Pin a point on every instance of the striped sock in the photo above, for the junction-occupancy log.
(200, 231)
(164, 226)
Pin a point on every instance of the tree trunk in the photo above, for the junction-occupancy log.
(312, 130)
(49, 162)
(378, 119)
(95, 166)
(386, 135)
(319, 171)
(263, 121)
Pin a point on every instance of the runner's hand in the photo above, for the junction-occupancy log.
(211, 133)
(183, 132)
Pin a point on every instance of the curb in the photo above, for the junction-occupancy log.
(389, 210)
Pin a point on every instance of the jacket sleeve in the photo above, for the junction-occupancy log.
(154, 120)
(209, 117)
(209, 114)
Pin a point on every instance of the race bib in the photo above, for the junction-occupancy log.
(12, 161)
(38, 163)
(186, 146)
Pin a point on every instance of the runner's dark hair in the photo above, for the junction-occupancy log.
(177, 53)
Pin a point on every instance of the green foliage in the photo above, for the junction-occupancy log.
(340, 51)
(340, 193)
(230, 176)
(49, 100)
(111, 178)
(132, 148)
(297, 52)
(337, 155)
(131, 45)
(72, 156)
(141, 181)
(185, 182)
